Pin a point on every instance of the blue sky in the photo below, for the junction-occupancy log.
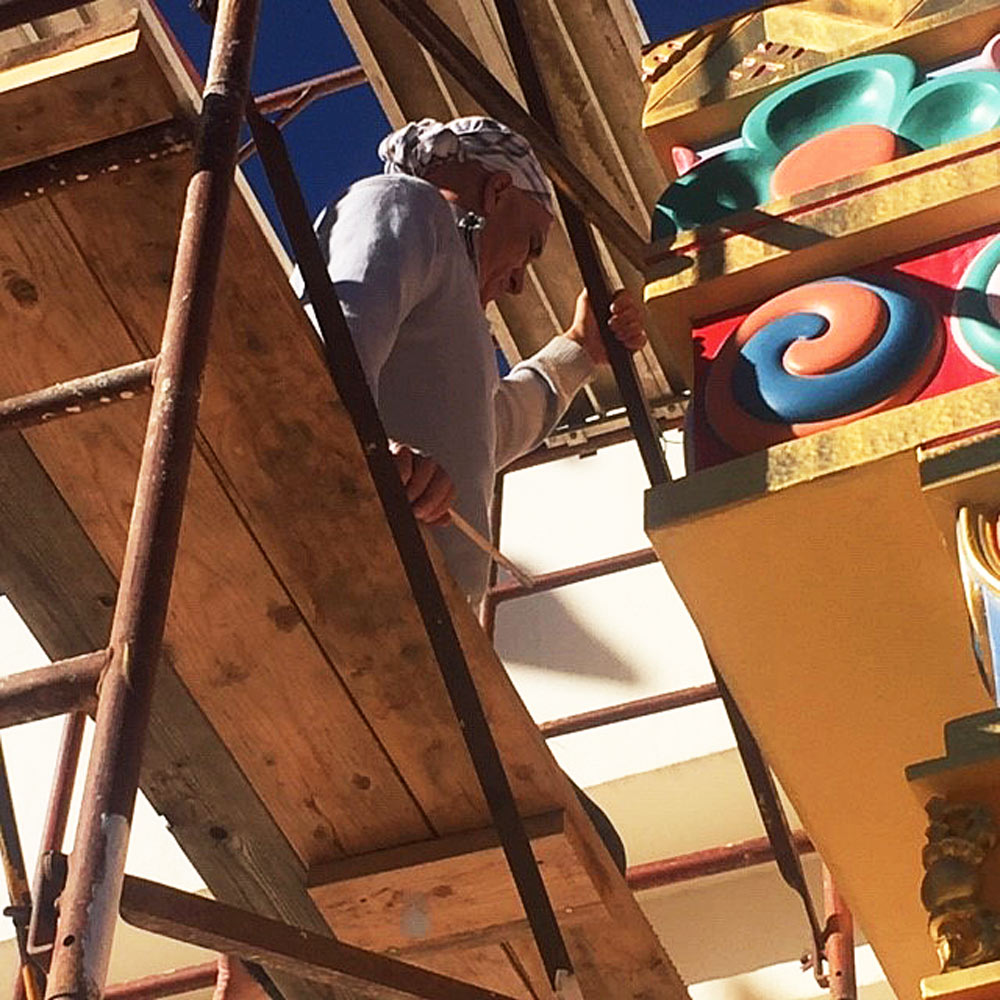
(333, 142)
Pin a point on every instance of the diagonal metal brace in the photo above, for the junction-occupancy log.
(197, 920)
(772, 814)
(349, 379)
(647, 434)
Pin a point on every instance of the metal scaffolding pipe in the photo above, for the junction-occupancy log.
(165, 984)
(574, 574)
(298, 95)
(840, 964)
(65, 686)
(713, 861)
(67, 398)
(666, 702)
(89, 903)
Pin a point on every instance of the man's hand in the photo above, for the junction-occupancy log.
(625, 322)
(428, 487)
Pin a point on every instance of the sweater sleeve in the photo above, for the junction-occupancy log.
(380, 242)
(536, 393)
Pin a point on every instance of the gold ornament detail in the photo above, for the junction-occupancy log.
(959, 837)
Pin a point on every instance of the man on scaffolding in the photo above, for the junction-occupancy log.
(416, 255)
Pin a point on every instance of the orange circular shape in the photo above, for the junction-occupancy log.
(856, 318)
(832, 155)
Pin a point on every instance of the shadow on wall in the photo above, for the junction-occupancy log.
(543, 633)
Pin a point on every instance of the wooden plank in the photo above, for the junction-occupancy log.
(63, 101)
(821, 603)
(57, 582)
(281, 442)
(291, 621)
(100, 19)
(429, 894)
(491, 967)
(341, 792)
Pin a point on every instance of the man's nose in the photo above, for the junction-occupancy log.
(515, 283)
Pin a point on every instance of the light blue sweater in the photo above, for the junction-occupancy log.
(410, 295)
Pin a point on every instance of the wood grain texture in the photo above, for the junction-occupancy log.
(837, 592)
(78, 97)
(237, 641)
(291, 623)
(281, 443)
(60, 586)
(465, 891)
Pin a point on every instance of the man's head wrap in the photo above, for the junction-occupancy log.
(419, 146)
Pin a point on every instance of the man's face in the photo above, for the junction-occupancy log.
(514, 235)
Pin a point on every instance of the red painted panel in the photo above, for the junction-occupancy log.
(933, 275)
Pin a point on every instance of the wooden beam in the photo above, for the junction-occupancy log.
(64, 82)
(432, 894)
(291, 620)
(209, 924)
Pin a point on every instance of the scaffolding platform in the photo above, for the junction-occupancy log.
(303, 748)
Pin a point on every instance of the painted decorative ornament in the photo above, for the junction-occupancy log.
(976, 313)
(817, 356)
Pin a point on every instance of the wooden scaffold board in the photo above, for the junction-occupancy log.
(303, 748)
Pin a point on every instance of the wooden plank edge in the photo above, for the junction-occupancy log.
(426, 852)
(104, 27)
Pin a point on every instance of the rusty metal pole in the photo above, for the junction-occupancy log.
(89, 903)
(644, 427)
(61, 793)
(61, 687)
(17, 884)
(839, 942)
(488, 609)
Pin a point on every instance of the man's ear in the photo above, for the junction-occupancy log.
(493, 187)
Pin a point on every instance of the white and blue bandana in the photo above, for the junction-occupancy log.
(418, 146)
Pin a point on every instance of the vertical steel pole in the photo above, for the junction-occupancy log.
(61, 793)
(488, 609)
(41, 931)
(839, 942)
(17, 882)
(89, 903)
